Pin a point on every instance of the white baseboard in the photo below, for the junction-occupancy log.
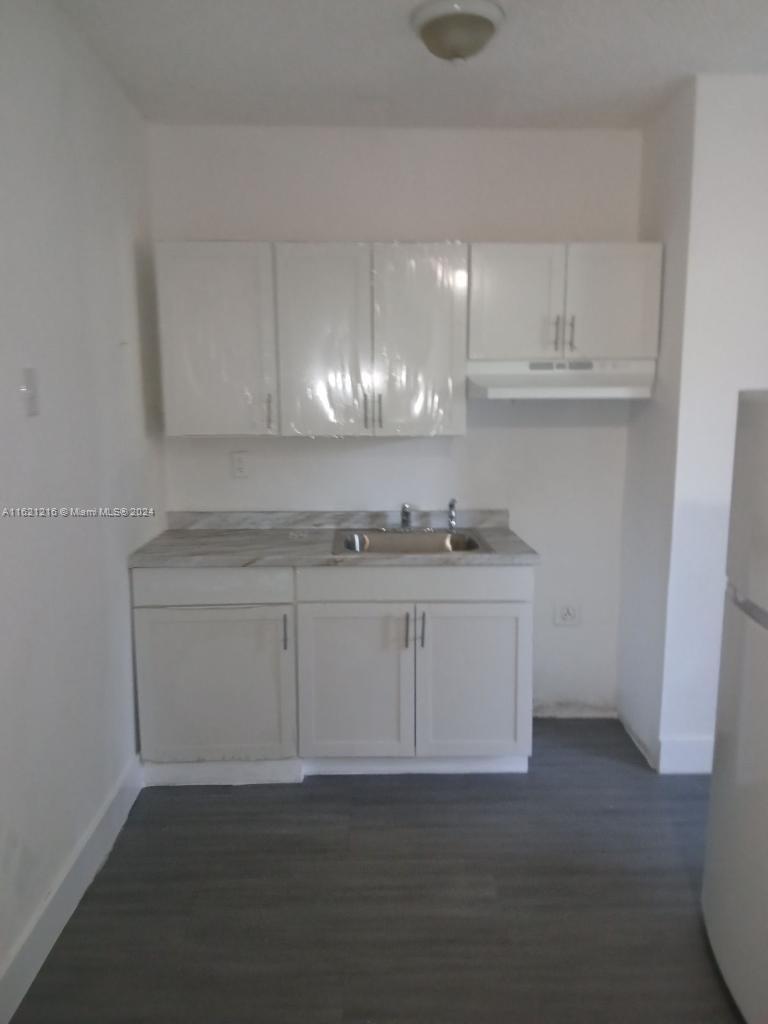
(222, 773)
(28, 954)
(676, 755)
(415, 766)
(250, 773)
(651, 754)
(564, 709)
(686, 755)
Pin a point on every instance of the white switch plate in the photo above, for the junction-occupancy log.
(237, 465)
(567, 614)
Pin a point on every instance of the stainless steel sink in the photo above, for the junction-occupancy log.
(406, 542)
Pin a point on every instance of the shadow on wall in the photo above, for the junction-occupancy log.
(149, 342)
(698, 576)
(547, 415)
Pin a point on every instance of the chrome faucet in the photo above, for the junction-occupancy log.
(452, 516)
(405, 516)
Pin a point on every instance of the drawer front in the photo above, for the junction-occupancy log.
(158, 587)
(417, 583)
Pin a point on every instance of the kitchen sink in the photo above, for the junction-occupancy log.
(406, 542)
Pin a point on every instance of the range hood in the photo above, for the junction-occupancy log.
(562, 378)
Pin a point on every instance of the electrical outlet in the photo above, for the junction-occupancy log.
(237, 465)
(568, 614)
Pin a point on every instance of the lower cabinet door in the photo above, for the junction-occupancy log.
(356, 680)
(473, 665)
(216, 684)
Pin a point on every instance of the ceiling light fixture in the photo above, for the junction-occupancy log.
(456, 29)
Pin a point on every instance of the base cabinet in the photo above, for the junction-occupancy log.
(436, 679)
(471, 663)
(356, 680)
(350, 669)
(216, 683)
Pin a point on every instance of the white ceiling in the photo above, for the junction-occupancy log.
(555, 63)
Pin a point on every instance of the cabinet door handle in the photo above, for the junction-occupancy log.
(285, 631)
(407, 630)
(423, 628)
(365, 409)
(269, 413)
(556, 342)
(381, 414)
(572, 339)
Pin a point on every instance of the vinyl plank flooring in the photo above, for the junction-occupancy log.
(568, 896)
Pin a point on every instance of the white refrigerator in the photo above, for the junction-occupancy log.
(735, 898)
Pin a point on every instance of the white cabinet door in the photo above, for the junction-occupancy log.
(356, 680)
(517, 301)
(216, 684)
(473, 679)
(217, 337)
(613, 301)
(324, 327)
(420, 337)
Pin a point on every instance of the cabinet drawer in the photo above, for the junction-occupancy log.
(416, 583)
(157, 587)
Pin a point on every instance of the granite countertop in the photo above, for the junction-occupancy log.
(302, 539)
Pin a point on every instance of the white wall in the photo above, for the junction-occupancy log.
(652, 435)
(73, 274)
(725, 349)
(306, 184)
(704, 192)
(558, 467)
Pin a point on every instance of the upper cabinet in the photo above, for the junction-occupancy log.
(518, 300)
(419, 338)
(613, 301)
(352, 339)
(217, 328)
(580, 301)
(324, 318)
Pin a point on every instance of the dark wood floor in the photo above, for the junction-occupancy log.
(567, 896)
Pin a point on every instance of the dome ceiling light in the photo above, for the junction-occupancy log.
(456, 29)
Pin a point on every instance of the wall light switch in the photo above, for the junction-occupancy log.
(237, 465)
(567, 615)
(28, 391)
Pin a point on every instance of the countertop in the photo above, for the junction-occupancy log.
(298, 540)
